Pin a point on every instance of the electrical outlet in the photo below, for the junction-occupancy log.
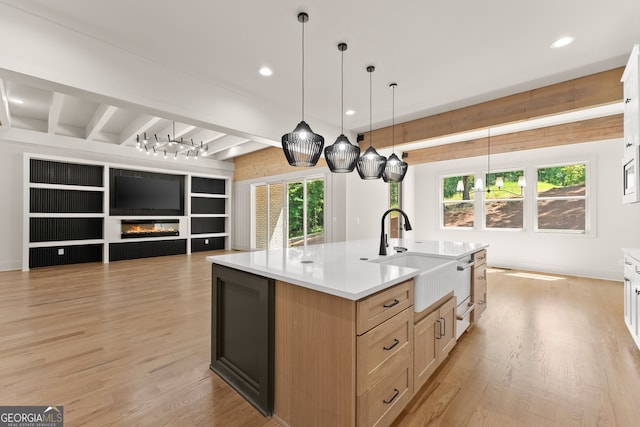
(206, 241)
(60, 251)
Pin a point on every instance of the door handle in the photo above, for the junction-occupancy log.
(396, 392)
(439, 330)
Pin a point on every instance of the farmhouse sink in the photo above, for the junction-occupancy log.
(436, 277)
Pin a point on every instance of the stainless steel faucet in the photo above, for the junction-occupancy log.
(383, 235)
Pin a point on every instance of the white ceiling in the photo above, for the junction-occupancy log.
(443, 55)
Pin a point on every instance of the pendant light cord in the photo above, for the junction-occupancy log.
(370, 109)
(342, 94)
(303, 70)
(393, 114)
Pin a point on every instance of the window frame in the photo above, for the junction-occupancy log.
(522, 198)
(442, 201)
(587, 197)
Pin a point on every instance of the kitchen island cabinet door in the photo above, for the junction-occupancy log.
(242, 334)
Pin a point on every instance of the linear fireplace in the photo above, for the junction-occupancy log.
(131, 229)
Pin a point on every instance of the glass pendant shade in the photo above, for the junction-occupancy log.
(395, 169)
(302, 147)
(371, 164)
(479, 186)
(499, 182)
(460, 186)
(342, 155)
(522, 182)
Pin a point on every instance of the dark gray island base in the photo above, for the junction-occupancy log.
(242, 334)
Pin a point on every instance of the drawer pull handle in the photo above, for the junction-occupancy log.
(391, 304)
(480, 277)
(470, 308)
(464, 267)
(395, 343)
(439, 330)
(444, 325)
(396, 392)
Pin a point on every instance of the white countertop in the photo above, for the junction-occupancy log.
(633, 252)
(343, 268)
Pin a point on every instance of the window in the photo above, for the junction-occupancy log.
(504, 200)
(561, 202)
(458, 201)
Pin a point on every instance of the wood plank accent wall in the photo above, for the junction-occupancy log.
(590, 91)
(267, 162)
(577, 94)
(569, 133)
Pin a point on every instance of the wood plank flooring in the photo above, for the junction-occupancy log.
(127, 343)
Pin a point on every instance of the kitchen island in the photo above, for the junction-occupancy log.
(324, 334)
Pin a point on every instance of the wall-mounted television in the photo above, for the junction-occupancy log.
(147, 193)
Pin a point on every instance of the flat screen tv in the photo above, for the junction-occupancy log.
(147, 193)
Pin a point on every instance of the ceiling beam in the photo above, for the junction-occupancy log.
(225, 143)
(55, 108)
(598, 129)
(100, 118)
(181, 130)
(5, 114)
(594, 90)
(267, 162)
(239, 150)
(140, 125)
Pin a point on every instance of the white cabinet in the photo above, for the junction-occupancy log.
(631, 157)
(632, 293)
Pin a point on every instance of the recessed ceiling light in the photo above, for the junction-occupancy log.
(16, 100)
(562, 41)
(265, 71)
(349, 112)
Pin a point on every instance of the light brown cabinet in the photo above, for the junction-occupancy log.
(479, 285)
(342, 362)
(434, 337)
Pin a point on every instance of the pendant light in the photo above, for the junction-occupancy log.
(302, 147)
(395, 169)
(371, 164)
(342, 155)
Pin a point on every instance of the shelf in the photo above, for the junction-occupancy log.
(65, 187)
(210, 196)
(209, 216)
(65, 215)
(208, 235)
(61, 243)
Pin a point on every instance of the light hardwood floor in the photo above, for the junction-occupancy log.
(128, 343)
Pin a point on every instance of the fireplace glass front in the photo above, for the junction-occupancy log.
(131, 229)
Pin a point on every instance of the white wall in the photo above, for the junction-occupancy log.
(12, 188)
(367, 201)
(597, 254)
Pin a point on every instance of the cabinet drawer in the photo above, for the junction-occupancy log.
(381, 405)
(377, 308)
(480, 275)
(383, 348)
(480, 301)
(480, 257)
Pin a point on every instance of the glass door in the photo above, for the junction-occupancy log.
(288, 214)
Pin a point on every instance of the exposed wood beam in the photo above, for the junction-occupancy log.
(266, 162)
(570, 133)
(577, 94)
(100, 118)
(139, 125)
(54, 111)
(5, 114)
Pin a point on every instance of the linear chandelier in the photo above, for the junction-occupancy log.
(171, 146)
